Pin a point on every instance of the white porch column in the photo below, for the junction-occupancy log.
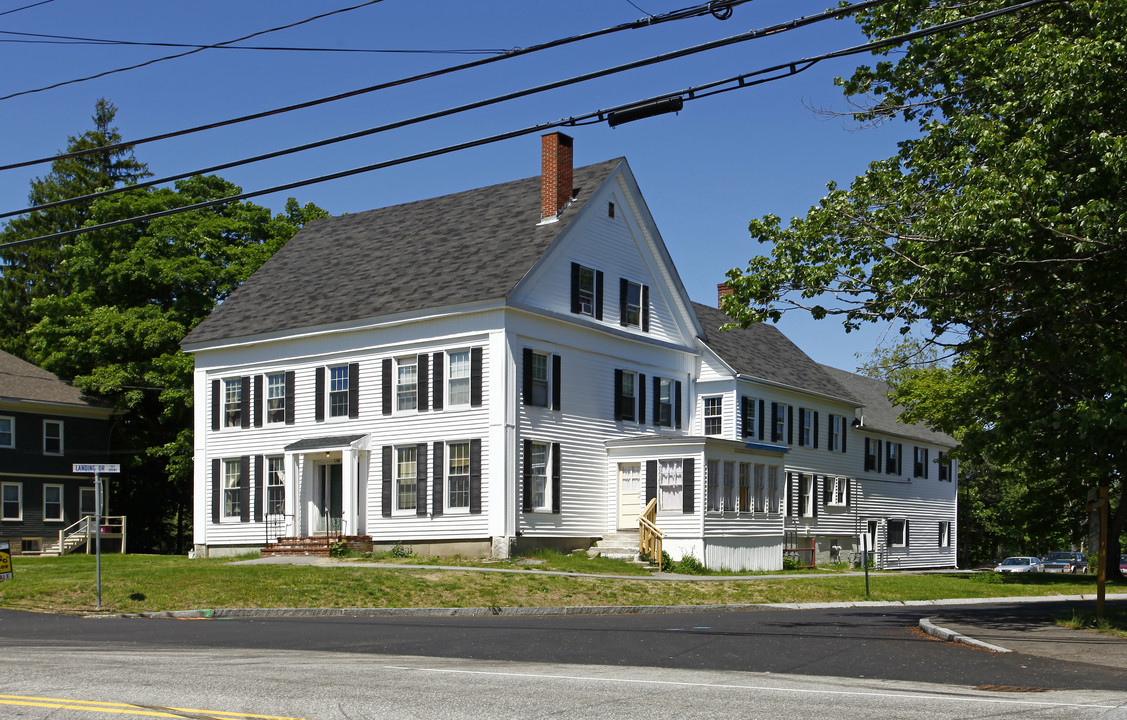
(348, 492)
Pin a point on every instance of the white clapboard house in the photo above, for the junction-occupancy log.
(520, 365)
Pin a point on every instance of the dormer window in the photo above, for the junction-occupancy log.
(586, 291)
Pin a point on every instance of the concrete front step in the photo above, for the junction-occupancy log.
(317, 546)
(619, 546)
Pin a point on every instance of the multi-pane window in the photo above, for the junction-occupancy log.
(774, 497)
(897, 533)
(87, 501)
(760, 482)
(275, 486)
(232, 489)
(713, 417)
(836, 490)
(778, 422)
(663, 415)
(53, 502)
(459, 383)
(232, 402)
(750, 423)
(586, 291)
(631, 304)
(276, 398)
(7, 432)
(714, 498)
(806, 493)
(944, 534)
(458, 476)
(835, 432)
(671, 484)
(406, 467)
(872, 454)
(745, 487)
(539, 372)
(919, 462)
(338, 391)
(539, 469)
(628, 396)
(806, 427)
(11, 501)
(892, 459)
(944, 462)
(52, 437)
(729, 486)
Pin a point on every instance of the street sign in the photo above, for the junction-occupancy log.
(5, 561)
(80, 468)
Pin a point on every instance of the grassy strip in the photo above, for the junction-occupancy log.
(1113, 623)
(145, 583)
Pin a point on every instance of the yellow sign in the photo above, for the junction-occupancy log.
(5, 561)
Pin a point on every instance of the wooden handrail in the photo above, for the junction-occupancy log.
(649, 536)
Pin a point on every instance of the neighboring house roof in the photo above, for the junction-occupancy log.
(762, 351)
(467, 247)
(21, 381)
(879, 412)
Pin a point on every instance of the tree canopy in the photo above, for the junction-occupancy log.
(995, 232)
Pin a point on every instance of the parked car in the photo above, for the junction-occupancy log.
(1020, 565)
(1066, 562)
(1123, 563)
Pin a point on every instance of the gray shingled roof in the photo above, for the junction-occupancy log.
(466, 247)
(20, 380)
(880, 414)
(762, 351)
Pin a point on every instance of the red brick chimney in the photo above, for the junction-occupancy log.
(555, 175)
(722, 289)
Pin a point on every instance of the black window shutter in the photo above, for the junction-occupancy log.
(803, 438)
(745, 403)
(815, 429)
(907, 537)
(641, 399)
(598, 294)
(388, 453)
(762, 406)
(258, 492)
(868, 455)
(475, 476)
(291, 382)
(790, 494)
(657, 400)
(677, 402)
(814, 493)
(848, 492)
(244, 488)
(556, 478)
(899, 458)
(437, 401)
(877, 453)
(843, 424)
(526, 485)
(258, 401)
(575, 305)
(775, 437)
(354, 390)
(319, 394)
(623, 294)
(476, 368)
(438, 483)
(556, 375)
(385, 387)
(617, 397)
(216, 489)
(690, 480)
(645, 308)
(801, 494)
(422, 384)
(216, 403)
(421, 479)
(826, 487)
(790, 424)
(244, 402)
(526, 374)
(926, 464)
(651, 480)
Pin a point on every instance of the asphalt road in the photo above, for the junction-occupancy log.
(767, 663)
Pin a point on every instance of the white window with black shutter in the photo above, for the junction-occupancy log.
(542, 373)
(340, 397)
(894, 458)
(230, 489)
(673, 482)
(751, 420)
(630, 396)
(586, 291)
(872, 455)
(897, 535)
(667, 402)
(837, 491)
(541, 491)
(633, 302)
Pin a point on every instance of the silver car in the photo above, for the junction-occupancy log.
(1020, 565)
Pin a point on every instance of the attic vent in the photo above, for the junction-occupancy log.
(610, 210)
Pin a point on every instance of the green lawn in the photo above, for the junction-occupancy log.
(140, 583)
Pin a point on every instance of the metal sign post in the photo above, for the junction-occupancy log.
(866, 542)
(97, 470)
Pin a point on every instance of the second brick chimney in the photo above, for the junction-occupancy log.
(555, 175)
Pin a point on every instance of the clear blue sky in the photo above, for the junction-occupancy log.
(704, 172)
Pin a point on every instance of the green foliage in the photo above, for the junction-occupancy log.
(689, 565)
(666, 562)
(399, 550)
(996, 232)
(790, 563)
(340, 549)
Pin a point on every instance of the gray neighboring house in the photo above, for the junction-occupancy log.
(46, 425)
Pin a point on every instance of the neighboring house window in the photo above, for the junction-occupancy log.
(586, 291)
(539, 371)
(894, 458)
(53, 503)
(7, 432)
(836, 490)
(541, 491)
(663, 402)
(11, 501)
(86, 501)
(749, 421)
(835, 431)
(671, 485)
(458, 476)
(805, 427)
(745, 487)
(898, 533)
(729, 486)
(458, 390)
(760, 487)
(232, 489)
(919, 464)
(714, 497)
(539, 467)
(633, 299)
(338, 391)
(713, 416)
(52, 437)
(275, 486)
(944, 534)
(872, 454)
(778, 422)
(944, 463)
(233, 402)
(805, 494)
(407, 383)
(276, 398)
(774, 496)
(542, 373)
(406, 467)
(627, 395)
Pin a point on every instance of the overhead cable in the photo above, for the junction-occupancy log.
(683, 14)
(738, 82)
(743, 37)
(26, 7)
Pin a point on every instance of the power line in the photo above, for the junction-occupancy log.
(26, 7)
(742, 37)
(717, 8)
(738, 82)
(189, 52)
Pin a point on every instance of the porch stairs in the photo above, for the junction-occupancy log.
(315, 545)
(621, 545)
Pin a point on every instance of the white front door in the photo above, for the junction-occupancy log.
(629, 495)
(328, 497)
